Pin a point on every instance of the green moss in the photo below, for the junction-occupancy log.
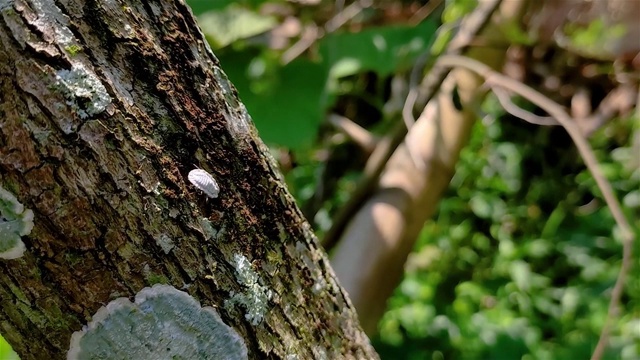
(126, 251)
(73, 49)
(35, 273)
(56, 317)
(34, 315)
(18, 294)
(153, 279)
(72, 259)
(11, 186)
(274, 258)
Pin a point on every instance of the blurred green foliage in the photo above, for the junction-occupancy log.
(232, 24)
(289, 102)
(520, 259)
(5, 351)
(596, 38)
(384, 50)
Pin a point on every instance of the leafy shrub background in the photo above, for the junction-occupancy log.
(519, 261)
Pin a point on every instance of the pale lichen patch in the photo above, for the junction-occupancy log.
(307, 255)
(162, 323)
(207, 228)
(238, 119)
(165, 242)
(50, 17)
(15, 221)
(83, 90)
(255, 298)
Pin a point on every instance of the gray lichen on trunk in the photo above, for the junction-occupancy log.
(15, 222)
(162, 323)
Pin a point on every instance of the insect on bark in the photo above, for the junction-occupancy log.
(204, 182)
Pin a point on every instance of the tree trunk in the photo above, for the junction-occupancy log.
(105, 107)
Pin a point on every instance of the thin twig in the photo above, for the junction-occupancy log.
(346, 14)
(313, 33)
(515, 110)
(493, 79)
(310, 34)
(417, 74)
(619, 100)
(357, 133)
(470, 27)
(414, 91)
(424, 12)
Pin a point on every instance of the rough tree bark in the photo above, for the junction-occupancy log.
(105, 107)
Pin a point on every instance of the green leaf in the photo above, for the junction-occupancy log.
(222, 27)
(597, 39)
(383, 49)
(520, 272)
(200, 6)
(287, 104)
(6, 352)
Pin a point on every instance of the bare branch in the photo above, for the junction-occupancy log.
(310, 34)
(424, 11)
(515, 110)
(619, 101)
(357, 133)
(346, 14)
(313, 33)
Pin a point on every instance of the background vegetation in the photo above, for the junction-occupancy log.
(519, 258)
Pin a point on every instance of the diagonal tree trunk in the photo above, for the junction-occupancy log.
(105, 107)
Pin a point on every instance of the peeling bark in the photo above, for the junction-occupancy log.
(105, 107)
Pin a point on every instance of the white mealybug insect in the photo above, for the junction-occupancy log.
(205, 182)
